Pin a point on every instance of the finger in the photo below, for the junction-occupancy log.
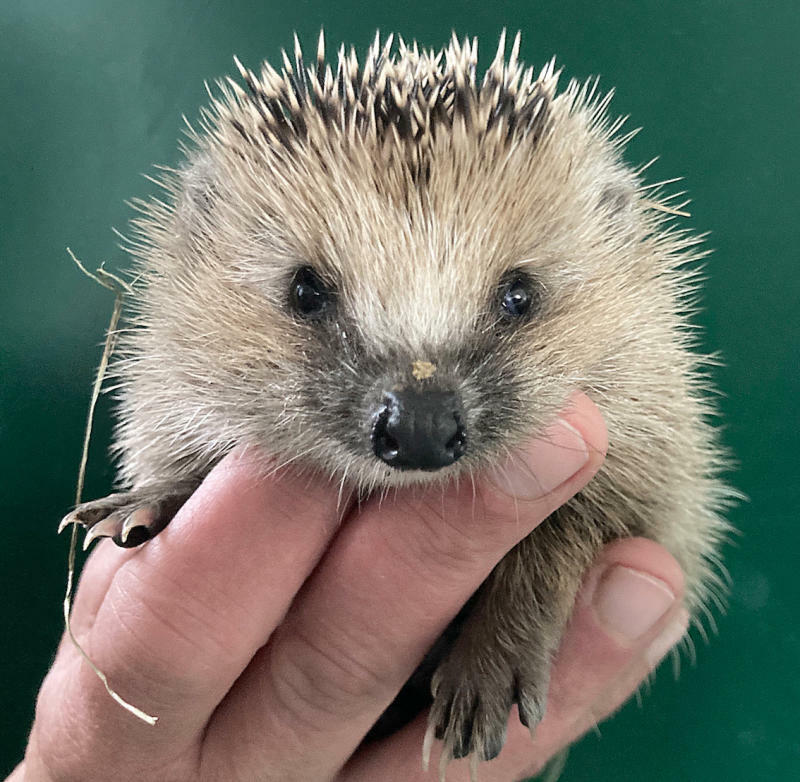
(389, 584)
(619, 616)
(182, 616)
(96, 576)
(635, 675)
(18, 774)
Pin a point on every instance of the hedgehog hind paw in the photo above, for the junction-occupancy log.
(467, 728)
(470, 713)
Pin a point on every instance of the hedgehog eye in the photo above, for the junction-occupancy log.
(517, 295)
(309, 296)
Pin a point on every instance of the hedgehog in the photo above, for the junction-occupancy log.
(394, 274)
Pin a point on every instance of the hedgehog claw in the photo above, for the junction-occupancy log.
(130, 518)
(67, 521)
(142, 518)
(470, 716)
(105, 528)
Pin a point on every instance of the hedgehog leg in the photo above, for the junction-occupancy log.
(474, 691)
(504, 651)
(129, 518)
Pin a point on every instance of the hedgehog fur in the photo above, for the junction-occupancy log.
(412, 189)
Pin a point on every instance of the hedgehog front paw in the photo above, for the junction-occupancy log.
(472, 702)
(128, 518)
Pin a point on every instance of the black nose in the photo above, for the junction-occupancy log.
(419, 430)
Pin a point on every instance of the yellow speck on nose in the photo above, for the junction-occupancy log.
(422, 370)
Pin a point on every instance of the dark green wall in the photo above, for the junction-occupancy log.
(91, 94)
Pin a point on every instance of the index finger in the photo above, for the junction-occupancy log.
(183, 615)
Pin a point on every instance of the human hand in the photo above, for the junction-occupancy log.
(268, 639)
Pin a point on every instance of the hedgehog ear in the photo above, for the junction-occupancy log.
(198, 193)
(616, 199)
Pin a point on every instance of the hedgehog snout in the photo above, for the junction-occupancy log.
(419, 429)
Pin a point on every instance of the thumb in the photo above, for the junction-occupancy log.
(627, 615)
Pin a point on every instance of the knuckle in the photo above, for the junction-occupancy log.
(58, 744)
(71, 740)
(322, 677)
(436, 543)
(168, 645)
(451, 539)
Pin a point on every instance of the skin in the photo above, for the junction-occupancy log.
(276, 667)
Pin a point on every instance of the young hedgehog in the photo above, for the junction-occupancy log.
(394, 274)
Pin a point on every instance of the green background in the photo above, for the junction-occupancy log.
(91, 94)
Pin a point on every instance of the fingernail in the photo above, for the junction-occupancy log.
(551, 460)
(671, 635)
(628, 602)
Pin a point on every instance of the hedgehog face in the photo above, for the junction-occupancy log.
(394, 274)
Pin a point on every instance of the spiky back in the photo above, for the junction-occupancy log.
(404, 98)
